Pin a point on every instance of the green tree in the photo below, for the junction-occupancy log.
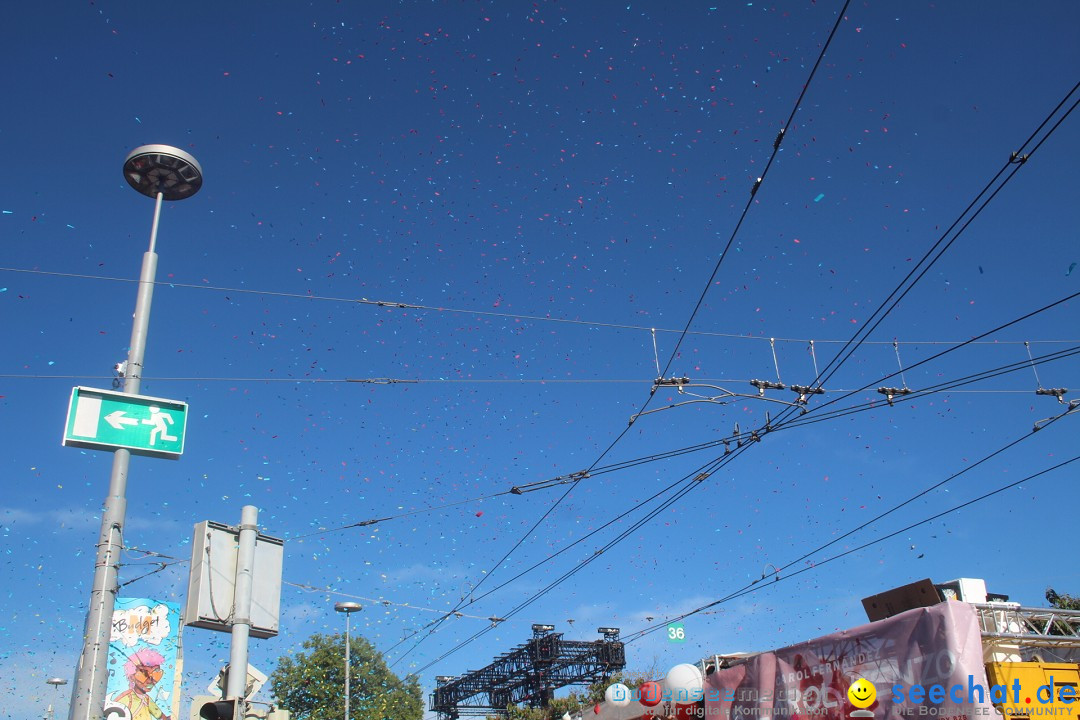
(1062, 602)
(311, 684)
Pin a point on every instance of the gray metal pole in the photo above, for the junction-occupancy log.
(88, 691)
(348, 667)
(241, 624)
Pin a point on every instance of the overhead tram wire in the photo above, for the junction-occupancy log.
(543, 484)
(670, 361)
(744, 437)
(696, 477)
(708, 470)
(939, 388)
(1017, 160)
(761, 583)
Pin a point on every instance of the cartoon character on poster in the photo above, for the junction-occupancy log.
(142, 660)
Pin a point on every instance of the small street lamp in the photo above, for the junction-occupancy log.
(56, 683)
(348, 608)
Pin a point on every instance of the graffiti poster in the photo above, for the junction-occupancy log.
(144, 661)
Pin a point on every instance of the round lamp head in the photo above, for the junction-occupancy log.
(56, 681)
(153, 169)
(347, 607)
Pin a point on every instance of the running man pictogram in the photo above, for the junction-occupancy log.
(160, 420)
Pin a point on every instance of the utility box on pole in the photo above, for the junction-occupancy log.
(211, 584)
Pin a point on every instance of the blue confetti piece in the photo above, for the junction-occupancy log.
(9, 212)
(818, 198)
(1069, 271)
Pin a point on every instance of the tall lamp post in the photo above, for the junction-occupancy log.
(56, 683)
(348, 608)
(163, 173)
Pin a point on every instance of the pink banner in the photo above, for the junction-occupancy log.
(922, 648)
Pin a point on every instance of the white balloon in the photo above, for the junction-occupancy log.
(685, 683)
(618, 695)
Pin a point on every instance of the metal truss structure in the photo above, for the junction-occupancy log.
(1028, 626)
(529, 674)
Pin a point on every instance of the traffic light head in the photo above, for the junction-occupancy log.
(220, 710)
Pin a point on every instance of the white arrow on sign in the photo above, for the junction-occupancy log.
(118, 421)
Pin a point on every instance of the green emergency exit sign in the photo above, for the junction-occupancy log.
(108, 420)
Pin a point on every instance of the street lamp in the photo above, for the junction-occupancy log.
(163, 173)
(56, 683)
(348, 608)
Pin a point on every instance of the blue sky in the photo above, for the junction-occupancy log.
(547, 187)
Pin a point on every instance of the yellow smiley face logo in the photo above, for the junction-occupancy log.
(862, 693)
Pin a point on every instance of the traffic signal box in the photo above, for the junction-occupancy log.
(221, 710)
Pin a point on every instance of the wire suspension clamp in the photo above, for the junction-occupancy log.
(1059, 393)
(891, 393)
(763, 385)
(805, 391)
